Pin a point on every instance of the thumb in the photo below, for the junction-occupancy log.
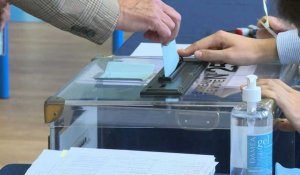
(210, 55)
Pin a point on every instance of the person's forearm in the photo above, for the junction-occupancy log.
(288, 46)
(92, 19)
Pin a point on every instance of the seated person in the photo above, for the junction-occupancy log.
(223, 47)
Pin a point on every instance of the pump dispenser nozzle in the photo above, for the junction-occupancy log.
(251, 93)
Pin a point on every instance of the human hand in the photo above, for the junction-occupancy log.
(283, 124)
(4, 13)
(286, 98)
(224, 47)
(159, 21)
(275, 23)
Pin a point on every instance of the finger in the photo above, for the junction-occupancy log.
(153, 36)
(273, 90)
(168, 21)
(211, 55)
(183, 52)
(276, 90)
(242, 87)
(265, 82)
(7, 13)
(4, 16)
(172, 13)
(263, 34)
(284, 125)
(163, 31)
(268, 93)
(275, 23)
(175, 16)
(275, 84)
(205, 43)
(283, 85)
(260, 21)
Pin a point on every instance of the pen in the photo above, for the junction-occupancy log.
(249, 31)
(268, 29)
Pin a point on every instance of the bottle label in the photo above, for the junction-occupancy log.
(259, 154)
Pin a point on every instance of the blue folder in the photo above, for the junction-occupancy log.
(4, 65)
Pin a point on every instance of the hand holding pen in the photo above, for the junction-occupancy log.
(275, 24)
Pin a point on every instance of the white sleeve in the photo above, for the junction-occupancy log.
(288, 47)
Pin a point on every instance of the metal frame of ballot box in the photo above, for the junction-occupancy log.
(96, 111)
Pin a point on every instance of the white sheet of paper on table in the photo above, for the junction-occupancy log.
(47, 161)
(124, 70)
(87, 161)
(239, 78)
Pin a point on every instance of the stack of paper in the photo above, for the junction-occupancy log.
(85, 161)
(123, 70)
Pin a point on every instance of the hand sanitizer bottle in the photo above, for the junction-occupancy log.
(251, 134)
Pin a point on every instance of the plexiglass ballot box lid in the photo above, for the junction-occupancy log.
(111, 87)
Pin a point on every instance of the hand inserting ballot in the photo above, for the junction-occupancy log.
(159, 21)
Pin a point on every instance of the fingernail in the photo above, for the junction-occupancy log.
(198, 54)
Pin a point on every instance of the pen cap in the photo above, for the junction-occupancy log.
(251, 92)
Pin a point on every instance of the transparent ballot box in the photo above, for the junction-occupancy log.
(107, 106)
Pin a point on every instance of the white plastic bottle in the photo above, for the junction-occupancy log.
(251, 134)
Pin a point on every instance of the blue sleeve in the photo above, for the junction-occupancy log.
(288, 47)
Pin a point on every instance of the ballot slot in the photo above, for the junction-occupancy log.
(187, 71)
(179, 67)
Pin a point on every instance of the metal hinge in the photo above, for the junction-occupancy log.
(53, 108)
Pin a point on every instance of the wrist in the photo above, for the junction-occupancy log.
(266, 50)
(121, 16)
